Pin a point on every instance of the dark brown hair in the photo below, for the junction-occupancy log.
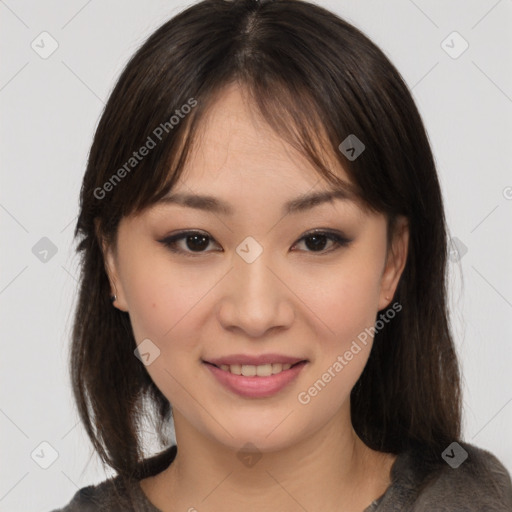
(309, 73)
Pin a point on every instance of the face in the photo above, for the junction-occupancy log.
(255, 281)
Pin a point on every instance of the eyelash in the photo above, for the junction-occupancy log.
(171, 241)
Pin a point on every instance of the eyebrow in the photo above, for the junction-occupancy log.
(299, 204)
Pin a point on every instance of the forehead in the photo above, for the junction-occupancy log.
(233, 140)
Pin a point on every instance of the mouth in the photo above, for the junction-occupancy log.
(261, 370)
(262, 380)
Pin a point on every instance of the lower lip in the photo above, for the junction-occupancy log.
(256, 387)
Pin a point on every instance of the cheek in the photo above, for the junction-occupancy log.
(144, 295)
(162, 299)
(163, 307)
(344, 299)
(344, 310)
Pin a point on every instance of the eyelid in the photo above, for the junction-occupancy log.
(337, 237)
(170, 241)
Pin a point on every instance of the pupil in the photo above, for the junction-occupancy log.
(319, 242)
(200, 245)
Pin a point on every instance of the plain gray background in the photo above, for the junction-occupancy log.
(50, 107)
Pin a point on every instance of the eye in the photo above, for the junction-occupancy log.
(316, 241)
(194, 243)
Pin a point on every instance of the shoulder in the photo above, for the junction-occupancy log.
(472, 480)
(117, 494)
(109, 495)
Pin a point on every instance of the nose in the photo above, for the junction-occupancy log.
(255, 298)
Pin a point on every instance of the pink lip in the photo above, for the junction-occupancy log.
(254, 360)
(256, 387)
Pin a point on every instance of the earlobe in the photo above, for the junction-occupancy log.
(395, 263)
(116, 294)
(116, 291)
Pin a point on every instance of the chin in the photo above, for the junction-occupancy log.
(252, 435)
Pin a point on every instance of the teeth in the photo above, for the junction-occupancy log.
(250, 370)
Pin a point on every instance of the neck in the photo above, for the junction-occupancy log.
(331, 469)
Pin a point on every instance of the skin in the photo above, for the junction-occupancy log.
(291, 300)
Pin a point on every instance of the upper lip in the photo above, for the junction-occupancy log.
(254, 360)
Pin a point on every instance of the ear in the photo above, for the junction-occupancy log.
(112, 270)
(395, 262)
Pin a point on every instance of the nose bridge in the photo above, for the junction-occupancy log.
(254, 278)
(255, 300)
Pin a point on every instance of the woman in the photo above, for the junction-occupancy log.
(264, 252)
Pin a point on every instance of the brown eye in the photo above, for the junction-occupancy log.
(194, 242)
(197, 242)
(316, 241)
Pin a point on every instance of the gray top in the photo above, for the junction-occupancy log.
(481, 483)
